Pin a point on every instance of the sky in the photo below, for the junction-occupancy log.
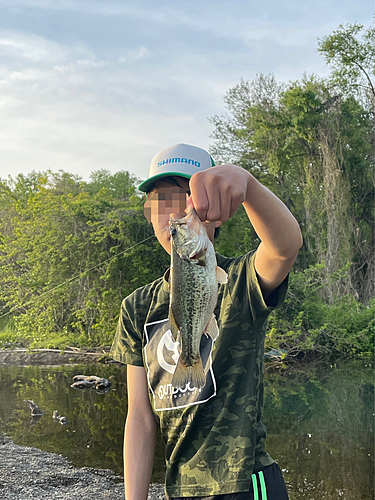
(89, 84)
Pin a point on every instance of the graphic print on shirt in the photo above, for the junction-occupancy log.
(161, 356)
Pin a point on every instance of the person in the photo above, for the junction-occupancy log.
(214, 437)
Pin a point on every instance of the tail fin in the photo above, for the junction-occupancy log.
(185, 374)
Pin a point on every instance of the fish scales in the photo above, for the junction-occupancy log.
(193, 295)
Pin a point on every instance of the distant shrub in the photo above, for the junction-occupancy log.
(308, 326)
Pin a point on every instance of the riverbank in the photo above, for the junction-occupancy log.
(31, 473)
(29, 357)
(319, 419)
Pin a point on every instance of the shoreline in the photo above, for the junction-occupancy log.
(69, 356)
(27, 472)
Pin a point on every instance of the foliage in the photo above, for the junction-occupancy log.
(70, 252)
(237, 236)
(352, 59)
(309, 326)
(313, 147)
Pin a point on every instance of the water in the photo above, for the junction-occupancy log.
(320, 423)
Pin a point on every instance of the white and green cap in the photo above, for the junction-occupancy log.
(181, 160)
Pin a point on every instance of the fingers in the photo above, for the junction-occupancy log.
(199, 196)
(189, 205)
(216, 193)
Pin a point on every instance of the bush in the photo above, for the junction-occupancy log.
(308, 326)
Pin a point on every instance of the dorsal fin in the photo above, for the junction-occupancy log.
(221, 275)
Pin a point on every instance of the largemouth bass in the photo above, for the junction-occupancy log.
(194, 279)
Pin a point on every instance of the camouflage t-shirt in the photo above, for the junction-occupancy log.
(214, 436)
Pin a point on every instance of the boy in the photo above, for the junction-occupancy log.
(214, 436)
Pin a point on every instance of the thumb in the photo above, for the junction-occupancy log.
(189, 204)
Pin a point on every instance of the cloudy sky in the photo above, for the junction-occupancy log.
(90, 84)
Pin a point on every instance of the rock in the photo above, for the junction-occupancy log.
(27, 473)
(83, 384)
(101, 385)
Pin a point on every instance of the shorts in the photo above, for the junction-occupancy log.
(266, 484)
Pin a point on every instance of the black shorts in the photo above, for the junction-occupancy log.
(266, 484)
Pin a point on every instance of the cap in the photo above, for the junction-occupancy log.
(182, 160)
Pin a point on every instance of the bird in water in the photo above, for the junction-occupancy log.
(34, 408)
(62, 420)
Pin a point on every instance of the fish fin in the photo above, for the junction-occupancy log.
(189, 374)
(201, 257)
(173, 325)
(212, 328)
(221, 275)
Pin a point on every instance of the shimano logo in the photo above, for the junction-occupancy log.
(179, 160)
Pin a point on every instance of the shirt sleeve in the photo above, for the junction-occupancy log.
(259, 306)
(127, 344)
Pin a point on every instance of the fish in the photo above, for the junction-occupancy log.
(194, 278)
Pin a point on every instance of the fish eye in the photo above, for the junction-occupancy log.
(173, 232)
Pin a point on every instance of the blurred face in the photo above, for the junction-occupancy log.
(169, 200)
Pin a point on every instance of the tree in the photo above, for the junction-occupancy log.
(352, 60)
(68, 256)
(312, 147)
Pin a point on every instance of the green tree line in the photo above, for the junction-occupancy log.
(85, 242)
(310, 141)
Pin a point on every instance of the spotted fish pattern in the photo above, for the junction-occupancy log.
(213, 444)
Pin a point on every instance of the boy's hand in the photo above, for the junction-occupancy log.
(217, 192)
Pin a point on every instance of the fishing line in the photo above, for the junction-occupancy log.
(31, 301)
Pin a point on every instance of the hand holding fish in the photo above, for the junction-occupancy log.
(216, 194)
(218, 191)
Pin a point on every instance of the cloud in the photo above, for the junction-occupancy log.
(134, 55)
(84, 114)
(88, 84)
(80, 138)
(113, 8)
(80, 64)
(64, 107)
(36, 49)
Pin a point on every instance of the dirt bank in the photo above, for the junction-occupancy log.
(27, 473)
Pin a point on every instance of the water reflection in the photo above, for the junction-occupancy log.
(320, 425)
(93, 436)
(319, 420)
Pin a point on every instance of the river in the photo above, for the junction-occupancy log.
(320, 423)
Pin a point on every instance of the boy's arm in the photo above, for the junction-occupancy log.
(279, 233)
(216, 194)
(140, 436)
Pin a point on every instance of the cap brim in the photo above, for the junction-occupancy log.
(146, 185)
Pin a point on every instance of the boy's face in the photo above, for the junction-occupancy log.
(169, 200)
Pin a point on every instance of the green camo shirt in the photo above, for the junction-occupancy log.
(214, 436)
